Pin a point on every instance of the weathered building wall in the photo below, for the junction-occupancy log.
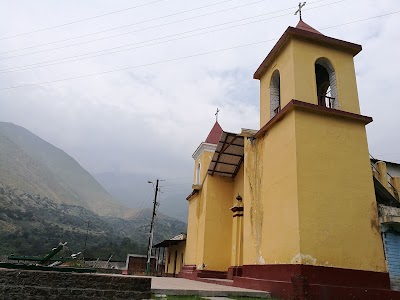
(218, 226)
(192, 231)
(271, 228)
(175, 258)
(284, 63)
(336, 194)
(305, 55)
(237, 222)
(196, 213)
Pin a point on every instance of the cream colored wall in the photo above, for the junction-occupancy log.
(305, 54)
(338, 216)
(271, 224)
(169, 267)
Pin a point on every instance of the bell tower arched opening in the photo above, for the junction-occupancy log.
(275, 94)
(198, 170)
(326, 83)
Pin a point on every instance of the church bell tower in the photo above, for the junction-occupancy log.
(309, 198)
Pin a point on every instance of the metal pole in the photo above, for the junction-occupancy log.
(152, 230)
(87, 232)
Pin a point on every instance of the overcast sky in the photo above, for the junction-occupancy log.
(150, 118)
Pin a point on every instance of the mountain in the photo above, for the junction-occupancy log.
(33, 165)
(131, 190)
(32, 225)
(46, 197)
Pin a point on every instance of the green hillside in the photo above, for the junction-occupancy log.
(32, 225)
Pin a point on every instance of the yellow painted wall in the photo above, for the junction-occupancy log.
(271, 225)
(309, 195)
(201, 215)
(218, 226)
(192, 231)
(180, 250)
(305, 54)
(296, 64)
(237, 222)
(285, 64)
(209, 236)
(196, 214)
(338, 216)
(204, 159)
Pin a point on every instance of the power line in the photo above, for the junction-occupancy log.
(166, 61)
(79, 21)
(141, 22)
(179, 178)
(362, 20)
(181, 190)
(132, 67)
(175, 184)
(138, 30)
(85, 55)
(141, 211)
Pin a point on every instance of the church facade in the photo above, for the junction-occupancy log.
(291, 208)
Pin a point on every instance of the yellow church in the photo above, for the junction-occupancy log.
(291, 208)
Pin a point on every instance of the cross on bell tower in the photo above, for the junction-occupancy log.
(298, 11)
(216, 115)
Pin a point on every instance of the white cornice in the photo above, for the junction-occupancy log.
(203, 147)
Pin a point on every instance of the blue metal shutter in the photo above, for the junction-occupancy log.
(392, 249)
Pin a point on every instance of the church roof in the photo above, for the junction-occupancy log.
(228, 156)
(215, 134)
(304, 26)
(304, 32)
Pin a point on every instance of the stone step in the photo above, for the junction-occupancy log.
(225, 282)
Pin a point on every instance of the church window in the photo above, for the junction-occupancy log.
(198, 169)
(275, 94)
(326, 83)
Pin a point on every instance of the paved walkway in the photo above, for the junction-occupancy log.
(180, 286)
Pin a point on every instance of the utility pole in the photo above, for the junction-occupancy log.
(87, 232)
(152, 229)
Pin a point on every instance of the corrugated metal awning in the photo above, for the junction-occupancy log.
(228, 155)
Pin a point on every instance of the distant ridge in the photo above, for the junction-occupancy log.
(34, 166)
(46, 197)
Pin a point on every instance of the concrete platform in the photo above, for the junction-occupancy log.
(179, 287)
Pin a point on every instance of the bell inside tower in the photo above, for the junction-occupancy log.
(326, 83)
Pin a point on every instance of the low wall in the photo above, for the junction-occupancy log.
(41, 285)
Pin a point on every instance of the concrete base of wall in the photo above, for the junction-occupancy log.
(304, 282)
(41, 285)
(190, 272)
(234, 271)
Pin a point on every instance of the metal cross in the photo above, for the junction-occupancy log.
(299, 10)
(216, 115)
